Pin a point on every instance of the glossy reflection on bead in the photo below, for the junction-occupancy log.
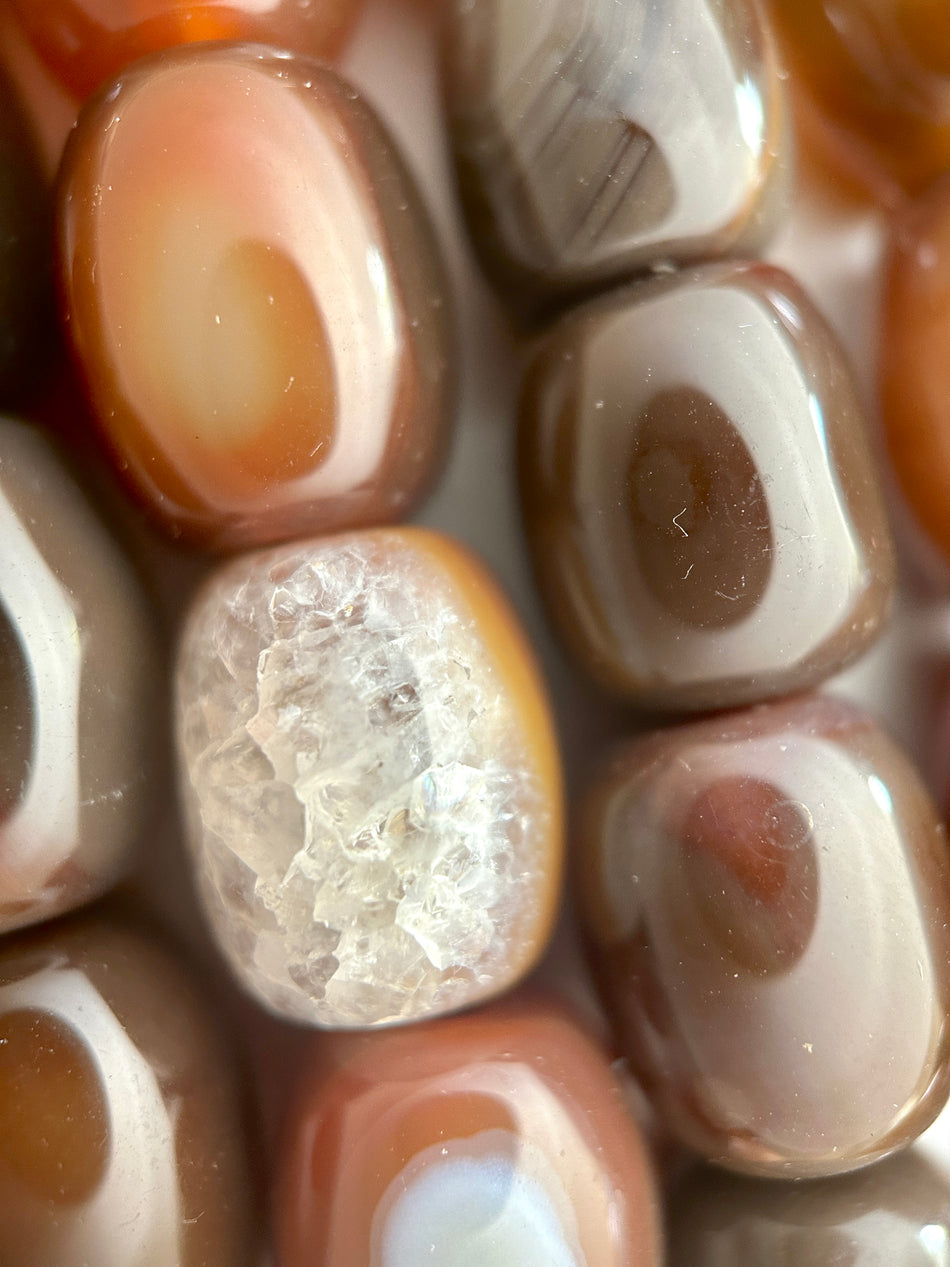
(78, 668)
(85, 42)
(120, 1139)
(701, 506)
(371, 777)
(768, 894)
(915, 359)
(874, 81)
(573, 169)
(25, 273)
(498, 1139)
(896, 1212)
(251, 287)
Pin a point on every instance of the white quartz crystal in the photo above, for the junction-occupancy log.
(369, 830)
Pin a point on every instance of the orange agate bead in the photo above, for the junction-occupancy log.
(499, 1137)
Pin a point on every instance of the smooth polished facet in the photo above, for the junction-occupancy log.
(86, 42)
(79, 668)
(768, 895)
(253, 293)
(895, 1213)
(873, 82)
(498, 1139)
(120, 1130)
(700, 502)
(572, 165)
(914, 360)
(25, 272)
(371, 778)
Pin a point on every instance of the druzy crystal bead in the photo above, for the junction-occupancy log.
(251, 285)
(120, 1126)
(78, 668)
(699, 498)
(497, 1139)
(768, 894)
(897, 1212)
(25, 273)
(914, 362)
(574, 166)
(86, 42)
(873, 82)
(370, 777)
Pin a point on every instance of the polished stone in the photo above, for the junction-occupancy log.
(497, 1139)
(872, 82)
(572, 166)
(253, 293)
(768, 896)
(700, 502)
(79, 672)
(86, 42)
(897, 1212)
(120, 1129)
(371, 778)
(914, 365)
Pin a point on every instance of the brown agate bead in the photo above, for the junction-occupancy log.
(572, 166)
(251, 287)
(25, 275)
(121, 1141)
(874, 81)
(895, 1213)
(371, 778)
(78, 674)
(700, 502)
(498, 1138)
(915, 359)
(768, 894)
(85, 42)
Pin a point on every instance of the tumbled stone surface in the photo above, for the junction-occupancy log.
(573, 166)
(497, 1138)
(370, 777)
(701, 506)
(769, 895)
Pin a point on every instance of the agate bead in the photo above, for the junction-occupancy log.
(121, 1141)
(915, 359)
(703, 515)
(498, 1139)
(251, 285)
(894, 1213)
(78, 673)
(873, 78)
(572, 165)
(768, 894)
(371, 778)
(86, 42)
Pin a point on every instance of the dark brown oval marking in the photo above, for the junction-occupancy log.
(54, 1116)
(17, 721)
(700, 517)
(749, 872)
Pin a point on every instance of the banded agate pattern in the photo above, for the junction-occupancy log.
(371, 778)
(572, 166)
(81, 714)
(252, 288)
(768, 894)
(498, 1139)
(120, 1138)
(700, 502)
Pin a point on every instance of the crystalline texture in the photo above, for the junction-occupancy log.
(366, 819)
